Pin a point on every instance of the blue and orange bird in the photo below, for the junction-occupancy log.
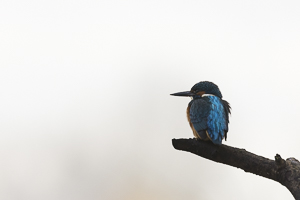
(207, 113)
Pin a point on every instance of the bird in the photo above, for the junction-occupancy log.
(207, 112)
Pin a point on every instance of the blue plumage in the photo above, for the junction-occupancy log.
(216, 120)
(207, 113)
(197, 114)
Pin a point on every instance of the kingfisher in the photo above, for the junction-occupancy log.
(207, 112)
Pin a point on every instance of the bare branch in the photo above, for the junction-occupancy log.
(286, 172)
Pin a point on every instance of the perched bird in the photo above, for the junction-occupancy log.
(207, 113)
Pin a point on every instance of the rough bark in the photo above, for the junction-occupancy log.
(286, 172)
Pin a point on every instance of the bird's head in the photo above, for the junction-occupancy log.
(200, 89)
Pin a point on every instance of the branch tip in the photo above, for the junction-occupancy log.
(279, 161)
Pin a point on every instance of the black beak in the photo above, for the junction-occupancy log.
(184, 94)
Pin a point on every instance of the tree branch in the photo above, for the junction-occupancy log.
(286, 172)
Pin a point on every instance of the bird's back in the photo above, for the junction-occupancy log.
(208, 118)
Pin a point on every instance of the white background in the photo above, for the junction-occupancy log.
(85, 110)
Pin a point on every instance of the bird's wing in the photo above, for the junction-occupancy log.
(199, 111)
(217, 121)
(227, 112)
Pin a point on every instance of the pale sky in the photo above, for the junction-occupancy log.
(85, 105)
